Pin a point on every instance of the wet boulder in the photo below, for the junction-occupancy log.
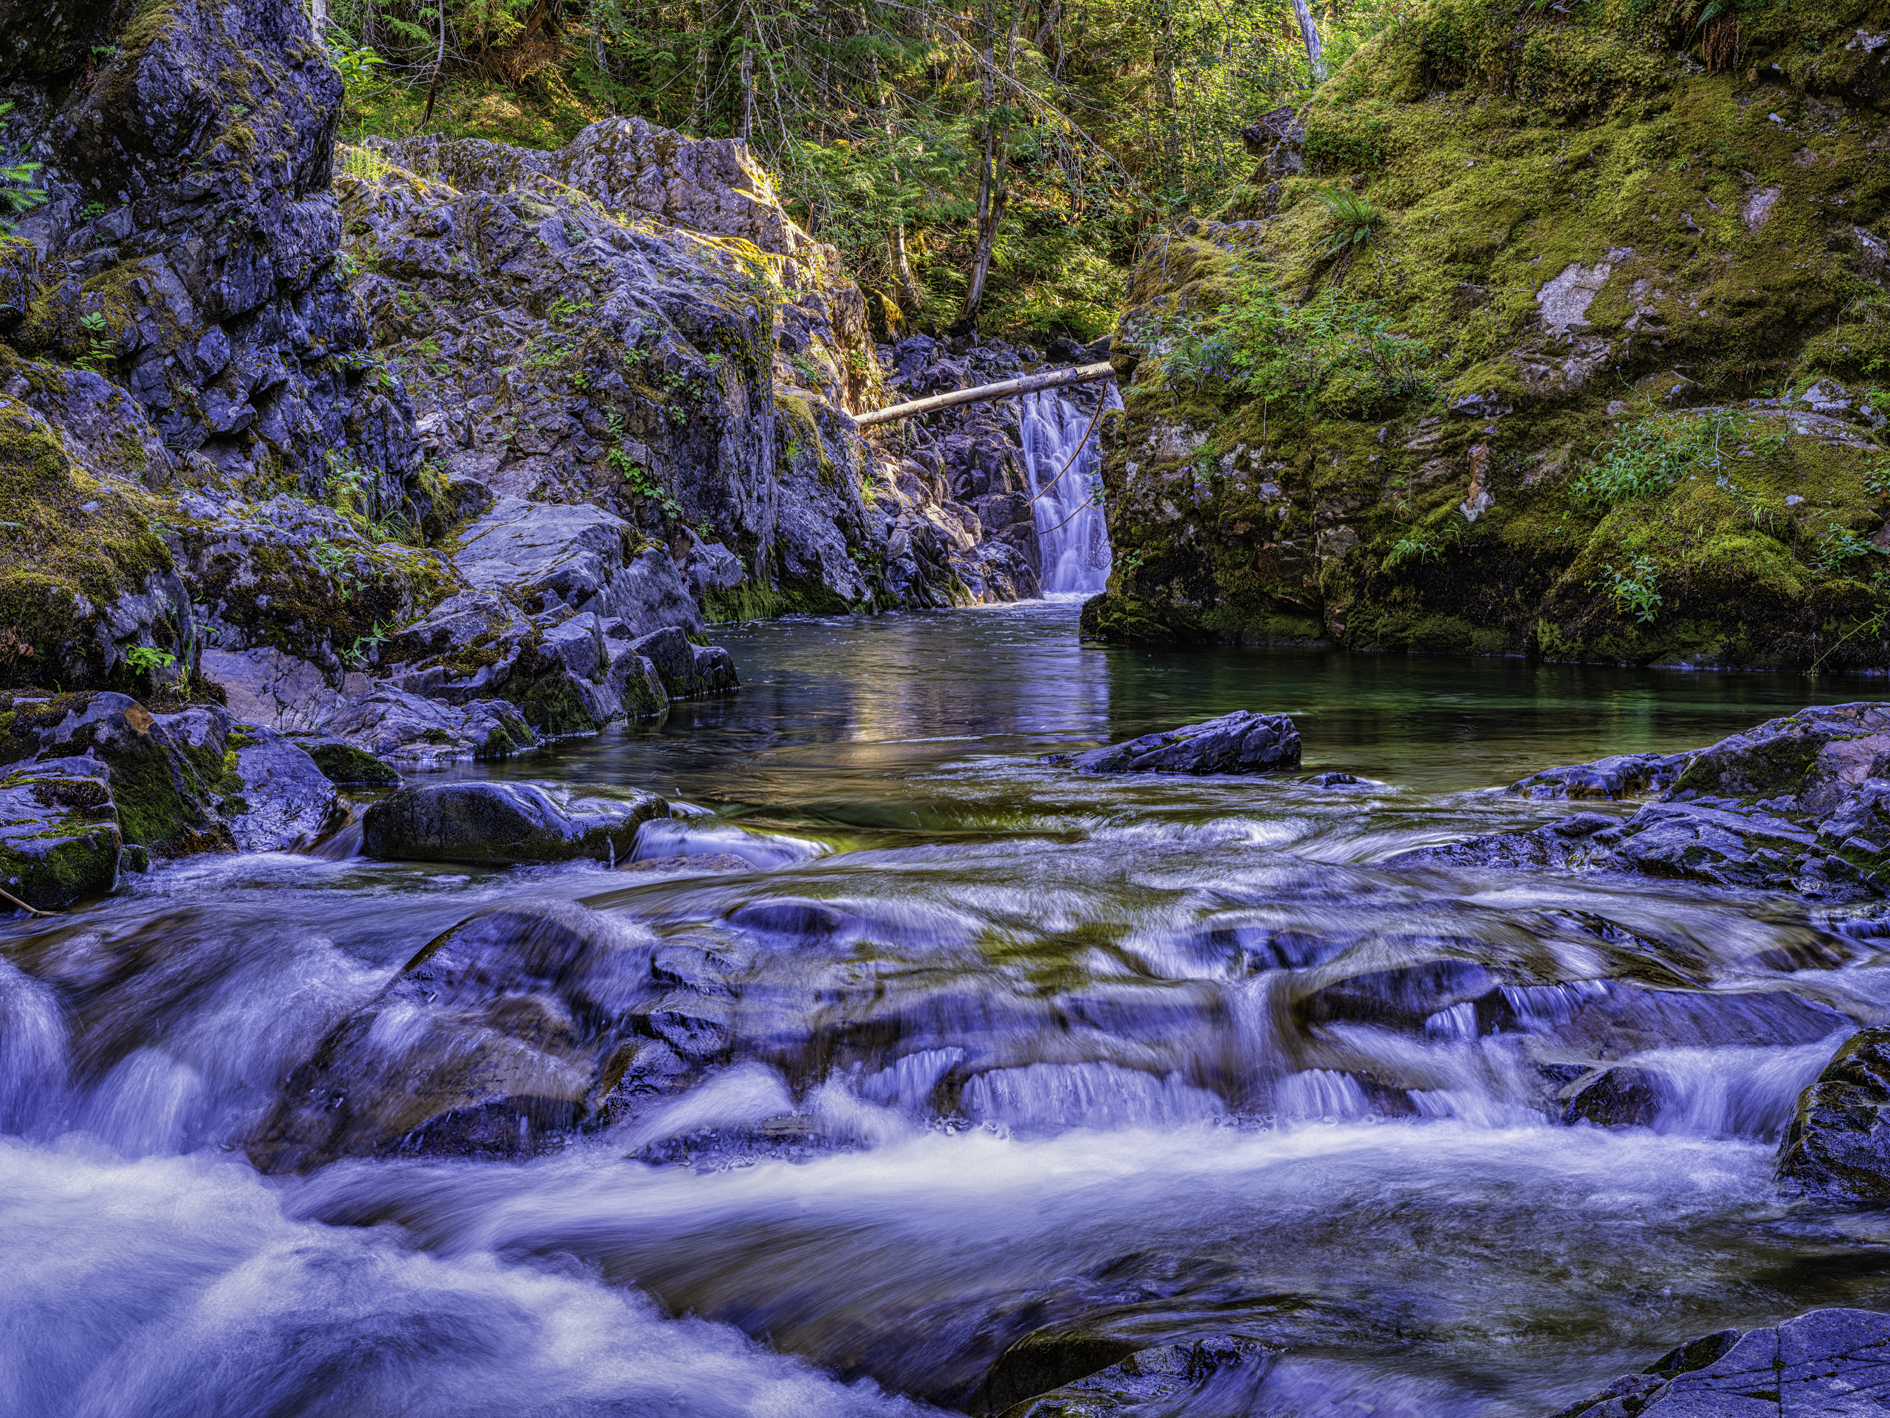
(505, 823)
(59, 839)
(1837, 1149)
(345, 765)
(686, 670)
(1623, 775)
(278, 798)
(1241, 742)
(1822, 1361)
(491, 1042)
(1615, 1097)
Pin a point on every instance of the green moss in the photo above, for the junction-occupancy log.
(1507, 151)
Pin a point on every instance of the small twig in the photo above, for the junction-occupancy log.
(34, 910)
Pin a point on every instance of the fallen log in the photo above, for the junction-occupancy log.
(1029, 384)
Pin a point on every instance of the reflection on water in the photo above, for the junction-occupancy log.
(962, 1048)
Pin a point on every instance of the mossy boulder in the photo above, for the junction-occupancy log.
(59, 838)
(84, 574)
(1598, 383)
(506, 822)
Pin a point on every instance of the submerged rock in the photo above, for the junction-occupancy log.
(1837, 1149)
(1163, 1374)
(504, 823)
(490, 1042)
(1821, 1362)
(1241, 742)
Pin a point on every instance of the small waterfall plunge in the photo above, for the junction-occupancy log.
(1071, 537)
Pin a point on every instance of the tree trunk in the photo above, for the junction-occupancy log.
(907, 287)
(318, 19)
(992, 192)
(1308, 31)
(439, 64)
(1029, 384)
(748, 77)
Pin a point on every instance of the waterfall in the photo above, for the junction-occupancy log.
(1071, 538)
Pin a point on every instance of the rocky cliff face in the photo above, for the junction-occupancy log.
(1596, 372)
(253, 401)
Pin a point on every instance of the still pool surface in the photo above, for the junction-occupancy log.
(993, 1050)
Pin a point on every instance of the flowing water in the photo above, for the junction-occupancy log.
(1009, 1050)
(1064, 459)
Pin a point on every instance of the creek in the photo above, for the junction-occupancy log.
(1008, 1049)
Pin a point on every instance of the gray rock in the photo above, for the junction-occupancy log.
(59, 838)
(280, 800)
(1834, 1361)
(344, 764)
(1165, 1374)
(1837, 1149)
(1615, 1097)
(277, 690)
(420, 734)
(1241, 742)
(505, 822)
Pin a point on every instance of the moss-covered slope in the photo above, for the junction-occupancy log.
(1596, 371)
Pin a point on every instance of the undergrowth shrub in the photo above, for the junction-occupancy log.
(1337, 354)
(1649, 457)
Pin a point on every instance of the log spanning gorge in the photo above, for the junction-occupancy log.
(864, 1058)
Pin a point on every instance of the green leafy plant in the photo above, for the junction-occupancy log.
(1634, 588)
(148, 659)
(101, 344)
(1413, 547)
(1354, 220)
(365, 646)
(1649, 457)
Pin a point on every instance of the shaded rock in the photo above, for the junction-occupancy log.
(505, 822)
(1837, 1149)
(342, 763)
(1241, 742)
(489, 1043)
(168, 774)
(1822, 1361)
(685, 669)
(59, 839)
(277, 798)
(1800, 803)
(420, 734)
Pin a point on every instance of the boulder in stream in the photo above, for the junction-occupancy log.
(1241, 742)
(504, 823)
(1800, 803)
(1837, 1149)
(1161, 1374)
(1821, 1362)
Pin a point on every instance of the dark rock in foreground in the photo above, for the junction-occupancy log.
(1837, 1149)
(1798, 804)
(505, 822)
(1822, 1362)
(1161, 1375)
(1241, 742)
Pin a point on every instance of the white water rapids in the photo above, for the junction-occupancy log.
(1007, 1051)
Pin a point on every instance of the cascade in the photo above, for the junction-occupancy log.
(1071, 537)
